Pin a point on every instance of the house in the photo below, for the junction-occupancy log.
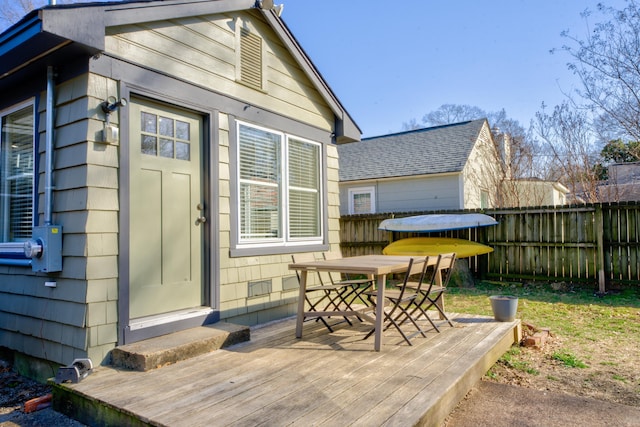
(622, 185)
(534, 192)
(455, 166)
(160, 162)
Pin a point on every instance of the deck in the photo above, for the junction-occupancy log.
(330, 379)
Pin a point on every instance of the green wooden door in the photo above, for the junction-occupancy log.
(166, 215)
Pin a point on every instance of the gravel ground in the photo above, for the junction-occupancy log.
(15, 390)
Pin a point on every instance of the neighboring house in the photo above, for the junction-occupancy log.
(623, 184)
(160, 162)
(533, 192)
(455, 166)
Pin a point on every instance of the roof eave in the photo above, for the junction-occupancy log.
(44, 32)
(346, 128)
(400, 177)
(50, 28)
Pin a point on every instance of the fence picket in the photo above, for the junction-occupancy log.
(541, 243)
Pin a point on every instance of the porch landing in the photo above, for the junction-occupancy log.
(331, 379)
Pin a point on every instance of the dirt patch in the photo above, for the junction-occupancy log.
(611, 372)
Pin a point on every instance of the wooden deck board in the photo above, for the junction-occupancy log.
(390, 395)
(322, 379)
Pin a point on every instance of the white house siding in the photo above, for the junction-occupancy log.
(78, 318)
(537, 193)
(481, 173)
(424, 193)
(419, 194)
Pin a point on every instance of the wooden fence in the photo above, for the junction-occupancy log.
(591, 244)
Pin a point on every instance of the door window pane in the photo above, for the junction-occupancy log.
(173, 136)
(166, 148)
(149, 145)
(166, 126)
(149, 123)
(182, 130)
(183, 151)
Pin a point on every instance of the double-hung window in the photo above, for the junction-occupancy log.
(16, 173)
(279, 185)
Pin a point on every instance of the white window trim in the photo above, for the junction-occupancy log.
(362, 190)
(243, 243)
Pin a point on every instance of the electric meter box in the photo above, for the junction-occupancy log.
(50, 259)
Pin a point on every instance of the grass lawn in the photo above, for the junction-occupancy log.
(595, 345)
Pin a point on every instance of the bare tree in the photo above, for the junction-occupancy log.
(513, 157)
(13, 10)
(572, 150)
(412, 124)
(607, 62)
(452, 113)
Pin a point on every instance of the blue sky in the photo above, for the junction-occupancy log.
(390, 61)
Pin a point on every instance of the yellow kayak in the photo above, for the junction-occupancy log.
(436, 245)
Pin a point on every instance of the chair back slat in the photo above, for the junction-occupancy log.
(431, 270)
(330, 256)
(305, 257)
(416, 267)
(447, 262)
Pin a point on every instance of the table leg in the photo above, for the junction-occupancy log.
(440, 299)
(380, 287)
(440, 303)
(303, 290)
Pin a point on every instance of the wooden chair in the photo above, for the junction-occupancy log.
(431, 295)
(331, 295)
(401, 300)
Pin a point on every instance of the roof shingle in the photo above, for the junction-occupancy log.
(439, 149)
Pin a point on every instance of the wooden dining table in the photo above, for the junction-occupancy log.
(378, 266)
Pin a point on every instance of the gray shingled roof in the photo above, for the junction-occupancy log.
(431, 150)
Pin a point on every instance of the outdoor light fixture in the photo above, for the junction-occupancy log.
(269, 5)
(112, 104)
(110, 133)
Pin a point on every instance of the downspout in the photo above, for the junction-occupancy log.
(48, 167)
(45, 246)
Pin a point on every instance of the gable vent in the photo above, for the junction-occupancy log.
(250, 59)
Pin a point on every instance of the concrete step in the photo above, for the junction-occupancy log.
(167, 349)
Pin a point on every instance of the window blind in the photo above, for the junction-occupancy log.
(16, 175)
(304, 189)
(362, 203)
(260, 176)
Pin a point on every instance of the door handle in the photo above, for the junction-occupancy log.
(202, 219)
